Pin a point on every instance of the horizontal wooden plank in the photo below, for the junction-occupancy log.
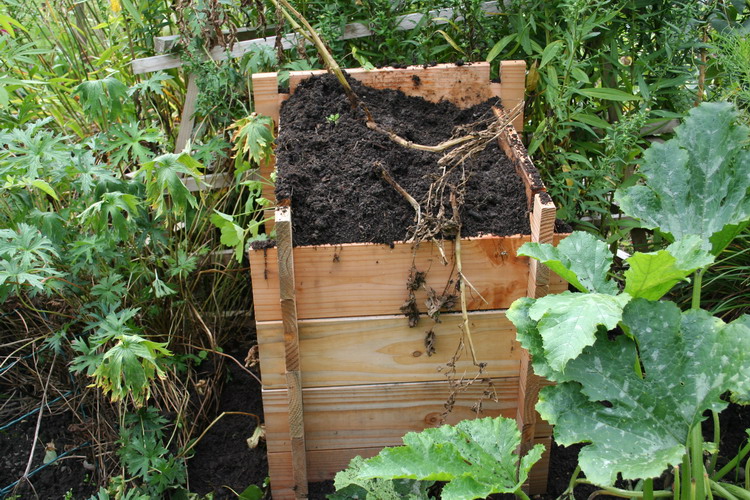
(290, 40)
(338, 418)
(378, 350)
(322, 465)
(464, 86)
(361, 279)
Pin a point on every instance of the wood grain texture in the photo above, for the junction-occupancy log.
(378, 415)
(266, 95)
(375, 350)
(360, 279)
(513, 88)
(294, 400)
(542, 231)
(188, 110)
(537, 483)
(464, 86)
(324, 464)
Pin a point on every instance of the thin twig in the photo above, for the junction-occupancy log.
(403, 193)
(462, 286)
(39, 419)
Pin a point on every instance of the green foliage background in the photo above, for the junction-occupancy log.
(108, 259)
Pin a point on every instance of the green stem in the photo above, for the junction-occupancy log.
(697, 283)
(717, 439)
(719, 490)
(697, 467)
(619, 492)
(521, 494)
(572, 483)
(737, 491)
(686, 479)
(732, 463)
(648, 489)
(676, 486)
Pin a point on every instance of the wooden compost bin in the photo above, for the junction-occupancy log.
(343, 374)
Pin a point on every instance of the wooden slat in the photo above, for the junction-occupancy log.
(324, 464)
(266, 95)
(295, 412)
(542, 231)
(188, 110)
(290, 40)
(513, 88)
(510, 143)
(360, 279)
(377, 415)
(537, 483)
(464, 86)
(384, 349)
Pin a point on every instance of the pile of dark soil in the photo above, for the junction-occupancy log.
(69, 474)
(223, 463)
(330, 169)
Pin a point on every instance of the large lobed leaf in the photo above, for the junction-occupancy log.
(556, 328)
(651, 275)
(475, 457)
(638, 426)
(696, 183)
(580, 259)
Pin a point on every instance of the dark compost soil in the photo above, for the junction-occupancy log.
(331, 172)
(222, 461)
(69, 473)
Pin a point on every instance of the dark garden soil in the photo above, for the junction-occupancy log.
(223, 462)
(331, 169)
(71, 473)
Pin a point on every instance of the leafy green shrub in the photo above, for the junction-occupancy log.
(476, 458)
(639, 398)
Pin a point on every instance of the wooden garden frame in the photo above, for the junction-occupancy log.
(343, 374)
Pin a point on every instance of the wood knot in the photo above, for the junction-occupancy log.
(433, 419)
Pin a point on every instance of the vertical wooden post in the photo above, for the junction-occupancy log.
(188, 110)
(267, 102)
(542, 231)
(291, 348)
(513, 81)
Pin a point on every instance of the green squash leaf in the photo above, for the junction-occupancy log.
(651, 275)
(580, 259)
(696, 183)
(475, 457)
(568, 322)
(349, 485)
(638, 426)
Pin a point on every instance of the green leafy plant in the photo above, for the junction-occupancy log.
(475, 458)
(333, 119)
(634, 374)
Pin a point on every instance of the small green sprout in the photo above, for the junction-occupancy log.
(333, 118)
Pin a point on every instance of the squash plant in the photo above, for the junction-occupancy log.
(634, 373)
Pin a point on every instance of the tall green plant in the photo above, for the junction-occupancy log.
(639, 398)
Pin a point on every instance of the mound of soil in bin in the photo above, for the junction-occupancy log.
(330, 169)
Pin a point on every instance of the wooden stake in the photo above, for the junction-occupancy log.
(542, 231)
(291, 349)
(187, 121)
